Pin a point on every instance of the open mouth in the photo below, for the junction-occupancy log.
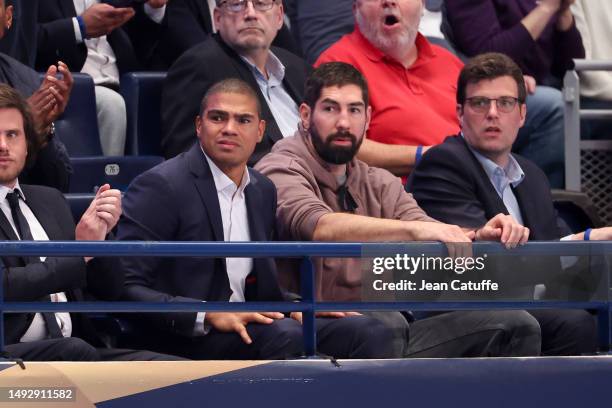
(492, 129)
(391, 20)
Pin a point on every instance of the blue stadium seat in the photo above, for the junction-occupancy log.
(78, 204)
(142, 94)
(78, 125)
(92, 172)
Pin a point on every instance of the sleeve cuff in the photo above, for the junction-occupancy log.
(155, 14)
(77, 31)
(200, 328)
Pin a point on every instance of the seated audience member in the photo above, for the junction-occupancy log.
(237, 51)
(593, 21)
(474, 175)
(326, 194)
(19, 43)
(47, 101)
(413, 100)
(189, 22)
(208, 194)
(95, 38)
(41, 213)
(541, 37)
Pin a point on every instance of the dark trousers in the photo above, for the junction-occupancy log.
(497, 333)
(349, 337)
(75, 349)
(567, 332)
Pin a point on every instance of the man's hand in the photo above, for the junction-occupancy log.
(504, 228)
(530, 84)
(157, 3)
(458, 242)
(59, 87)
(101, 19)
(42, 105)
(236, 322)
(298, 315)
(101, 216)
(600, 234)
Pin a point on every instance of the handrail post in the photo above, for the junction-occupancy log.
(571, 94)
(309, 330)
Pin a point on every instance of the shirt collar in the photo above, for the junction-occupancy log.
(425, 51)
(274, 67)
(499, 176)
(222, 181)
(4, 190)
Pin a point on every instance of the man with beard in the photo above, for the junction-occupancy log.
(413, 104)
(326, 194)
(209, 194)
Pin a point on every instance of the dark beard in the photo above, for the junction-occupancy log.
(334, 154)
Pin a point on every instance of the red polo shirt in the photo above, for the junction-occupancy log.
(414, 106)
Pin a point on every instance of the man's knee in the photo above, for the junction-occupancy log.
(282, 340)
(522, 332)
(75, 349)
(372, 338)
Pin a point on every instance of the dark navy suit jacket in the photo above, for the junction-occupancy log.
(27, 280)
(177, 201)
(450, 184)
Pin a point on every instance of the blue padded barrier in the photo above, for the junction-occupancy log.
(303, 250)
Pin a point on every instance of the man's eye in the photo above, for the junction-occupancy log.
(355, 110)
(216, 118)
(244, 121)
(329, 108)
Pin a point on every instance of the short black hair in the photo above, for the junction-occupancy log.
(333, 74)
(231, 85)
(490, 66)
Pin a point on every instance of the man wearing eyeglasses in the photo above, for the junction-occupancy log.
(474, 175)
(241, 49)
(413, 100)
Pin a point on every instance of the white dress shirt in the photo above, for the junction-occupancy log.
(283, 108)
(37, 329)
(101, 62)
(234, 217)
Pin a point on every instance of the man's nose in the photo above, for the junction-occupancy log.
(492, 111)
(230, 127)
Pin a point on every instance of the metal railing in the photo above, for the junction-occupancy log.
(305, 250)
(572, 116)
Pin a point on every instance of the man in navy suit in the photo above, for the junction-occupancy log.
(209, 194)
(474, 175)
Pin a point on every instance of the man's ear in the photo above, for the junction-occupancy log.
(281, 17)
(198, 124)
(305, 114)
(261, 129)
(523, 113)
(459, 110)
(9, 17)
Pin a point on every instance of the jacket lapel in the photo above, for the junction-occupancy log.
(491, 194)
(205, 185)
(43, 214)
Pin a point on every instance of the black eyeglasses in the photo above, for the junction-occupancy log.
(236, 6)
(481, 104)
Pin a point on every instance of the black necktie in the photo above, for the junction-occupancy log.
(23, 228)
(20, 222)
